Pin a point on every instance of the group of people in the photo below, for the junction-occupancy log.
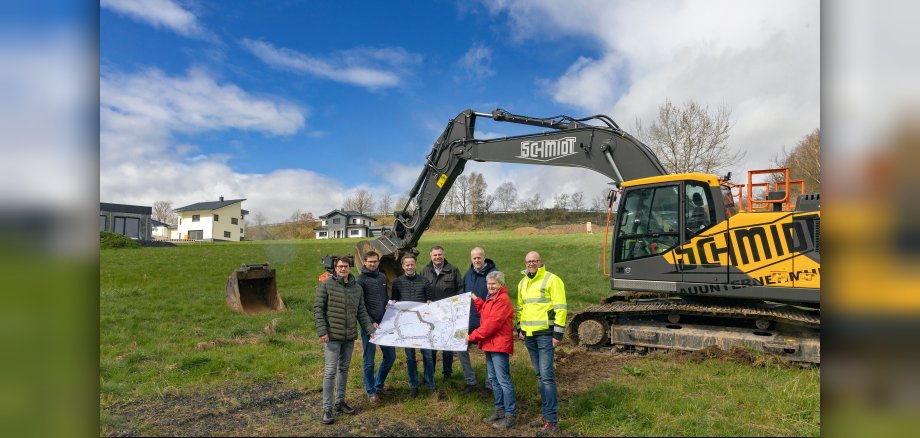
(343, 303)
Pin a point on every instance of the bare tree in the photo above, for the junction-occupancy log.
(462, 193)
(257, 230)
(804, 161)
(533, 203)
(691, 138)
(360, 201)
(477, 192)
(300, 225)
(506, 195)
(561, 200)
(163, 212)
(600, 202)
(386, 204)
(578, 201)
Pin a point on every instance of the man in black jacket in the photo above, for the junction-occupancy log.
(374, 284)
(413, 287)
(446, 281)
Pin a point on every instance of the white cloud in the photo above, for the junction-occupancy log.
(762, 59)
(159, 13)
(476, 63)
(141, 162)
(364, 67)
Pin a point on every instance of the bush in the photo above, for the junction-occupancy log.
(109, 240)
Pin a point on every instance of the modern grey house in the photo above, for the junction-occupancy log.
(341, 224)
(131, 220)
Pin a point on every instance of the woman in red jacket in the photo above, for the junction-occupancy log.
(495, 336)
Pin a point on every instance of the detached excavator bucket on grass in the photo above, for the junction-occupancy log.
(252, 289)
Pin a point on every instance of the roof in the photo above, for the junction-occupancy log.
(347, 213)
(125, 208)
(209, 205)
(156, 223)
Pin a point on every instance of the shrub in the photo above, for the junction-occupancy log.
(109, 240)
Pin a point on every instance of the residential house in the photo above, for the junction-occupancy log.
(131, 220)
(341, 224)
(212, 220)
(164, 231)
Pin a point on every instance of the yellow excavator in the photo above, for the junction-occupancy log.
(688, 269)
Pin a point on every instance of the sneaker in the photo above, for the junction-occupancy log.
(497, 414)
(468, 389)
(344, 408)
(328, 418)
(413, 392)
(373, 398)
(504, 423)
(547, 429)
(537, 423)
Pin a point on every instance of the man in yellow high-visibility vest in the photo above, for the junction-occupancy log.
(541, 314)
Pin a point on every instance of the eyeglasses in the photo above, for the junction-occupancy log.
(342, 266)
(532, 262)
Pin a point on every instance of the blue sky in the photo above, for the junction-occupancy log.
(293, 105)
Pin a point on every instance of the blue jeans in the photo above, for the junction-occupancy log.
(373, 384)
(427, 367)
(499, 367)
(541, 355)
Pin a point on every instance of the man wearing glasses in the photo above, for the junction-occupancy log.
(541, 318)
(337, 309)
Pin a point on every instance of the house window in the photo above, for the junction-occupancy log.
(180, 221)
(322, 234)
(227, 234)
(337, 220)
(196, 234)
(129, 226)
(355, 232)
(241, 230)
(102, 222)
(196, 218)
(233, 221)
(216, 217)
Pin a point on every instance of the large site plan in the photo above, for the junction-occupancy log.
(441, 325)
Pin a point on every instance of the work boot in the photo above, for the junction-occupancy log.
(504, 423)
(413, 392)
(548, 429)
(373, 398)
(539, 422)
(344, 408)
(497, 414)
(328, 418)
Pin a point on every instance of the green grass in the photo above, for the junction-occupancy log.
(158, 304)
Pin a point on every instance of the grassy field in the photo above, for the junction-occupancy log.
(174, 360)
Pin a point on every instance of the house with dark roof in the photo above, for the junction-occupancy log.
(131, 220)
(212, 220)
(341, 224)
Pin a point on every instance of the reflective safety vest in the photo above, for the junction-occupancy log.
(541, 302)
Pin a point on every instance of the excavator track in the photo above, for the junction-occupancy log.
(786, 331)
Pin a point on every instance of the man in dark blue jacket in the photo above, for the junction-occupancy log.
(475, 281)
(374, 284)
(445, 282)
(413, 287)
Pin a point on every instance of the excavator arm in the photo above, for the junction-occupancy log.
(569, 142)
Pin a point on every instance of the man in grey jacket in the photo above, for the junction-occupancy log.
(337, 309)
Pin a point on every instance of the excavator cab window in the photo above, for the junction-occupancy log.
(700, 215)
(649, 224)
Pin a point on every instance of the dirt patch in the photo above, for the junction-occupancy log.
(553, 229)
(278, 408)
(239, 340)
(578, 370)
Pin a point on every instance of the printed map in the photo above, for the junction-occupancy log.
(441, 325)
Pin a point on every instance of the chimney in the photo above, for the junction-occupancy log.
(221, 199)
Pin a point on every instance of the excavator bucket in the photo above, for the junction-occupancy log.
(252, 289)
